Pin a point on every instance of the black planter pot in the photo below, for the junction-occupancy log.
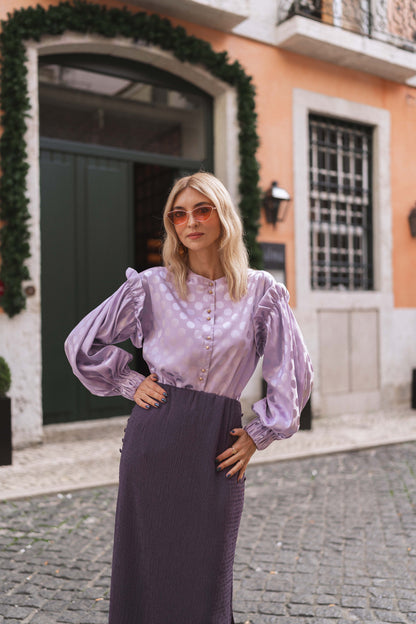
(5, 431)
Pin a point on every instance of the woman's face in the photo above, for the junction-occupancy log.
(197, 235)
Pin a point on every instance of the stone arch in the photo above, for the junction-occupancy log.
(226, 157)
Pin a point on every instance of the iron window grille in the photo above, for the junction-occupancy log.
(340, 200)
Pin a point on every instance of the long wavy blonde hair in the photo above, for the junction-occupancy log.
(231, 249)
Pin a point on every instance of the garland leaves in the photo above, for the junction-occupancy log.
(79, 16)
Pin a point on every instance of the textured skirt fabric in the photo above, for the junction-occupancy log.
(177, 517)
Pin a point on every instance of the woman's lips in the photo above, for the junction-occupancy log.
(195, 235)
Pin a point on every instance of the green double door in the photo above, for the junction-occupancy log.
(87, 228)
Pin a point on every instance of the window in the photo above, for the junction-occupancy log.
(340, 163)
(101, 100)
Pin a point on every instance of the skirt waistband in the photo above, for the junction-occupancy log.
(201, 393)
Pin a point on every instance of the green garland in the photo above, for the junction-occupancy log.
(79, 16)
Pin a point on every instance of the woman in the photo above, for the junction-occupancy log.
(203, 319)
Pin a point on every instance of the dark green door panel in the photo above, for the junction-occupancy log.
(59, 305)
(87, 242)
(107, 224)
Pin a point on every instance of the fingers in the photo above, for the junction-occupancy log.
(244, 445)
(239, 467)
(238, 455)
(235, 459)
(233, 450)
(149, 393)
(228, 456)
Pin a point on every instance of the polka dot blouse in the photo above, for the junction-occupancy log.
(208, 343)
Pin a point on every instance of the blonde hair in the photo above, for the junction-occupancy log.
(231, 249)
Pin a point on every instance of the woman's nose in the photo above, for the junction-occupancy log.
(191, 219)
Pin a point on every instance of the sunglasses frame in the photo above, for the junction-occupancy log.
(189, 212)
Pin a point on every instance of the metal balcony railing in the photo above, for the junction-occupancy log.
(390, 21)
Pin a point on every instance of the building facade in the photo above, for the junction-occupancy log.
(115, 114)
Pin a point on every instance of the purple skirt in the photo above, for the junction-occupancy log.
(177, 517)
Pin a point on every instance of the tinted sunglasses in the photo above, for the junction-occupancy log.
(179, 216)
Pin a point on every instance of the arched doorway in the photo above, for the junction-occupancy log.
(114, 134)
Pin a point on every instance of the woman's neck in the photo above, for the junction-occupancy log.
(206, 265)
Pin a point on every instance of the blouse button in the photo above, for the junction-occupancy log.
(207, 347)
(210, 292)
(211, 284)
(208, 318)
(201, 379)
(203, 370)
(208, 311)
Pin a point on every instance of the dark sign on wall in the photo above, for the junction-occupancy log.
(273, 256)
(274, 259)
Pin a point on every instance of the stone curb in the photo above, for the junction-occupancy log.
(85, 455)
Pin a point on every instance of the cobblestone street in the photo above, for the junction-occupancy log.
(326, 539)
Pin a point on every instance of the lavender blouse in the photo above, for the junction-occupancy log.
(207, 342)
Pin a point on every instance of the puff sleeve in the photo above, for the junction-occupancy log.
(287, 369)
(100, 366)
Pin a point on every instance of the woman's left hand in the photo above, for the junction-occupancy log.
(238, 455)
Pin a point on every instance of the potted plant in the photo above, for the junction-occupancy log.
(5, 415)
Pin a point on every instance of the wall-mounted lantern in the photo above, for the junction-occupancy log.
(272, 201)
(412, 221)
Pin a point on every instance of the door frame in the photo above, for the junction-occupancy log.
(130, 70)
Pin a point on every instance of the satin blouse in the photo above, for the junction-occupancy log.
(208, 342)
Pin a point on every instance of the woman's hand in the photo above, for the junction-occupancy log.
(238, 455)
(149, 393)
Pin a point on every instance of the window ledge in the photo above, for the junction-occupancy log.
(351, 299)
(341, 47)
(221, 14)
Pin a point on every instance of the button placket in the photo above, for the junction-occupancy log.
(208, 338)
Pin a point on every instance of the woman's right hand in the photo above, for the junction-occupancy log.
(149, 393)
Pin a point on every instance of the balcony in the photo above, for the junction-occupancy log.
(221, 14)
(378, 37)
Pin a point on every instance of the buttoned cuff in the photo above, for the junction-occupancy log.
(128, 384)
(262, 436)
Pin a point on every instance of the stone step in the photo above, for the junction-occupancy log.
(98, 429)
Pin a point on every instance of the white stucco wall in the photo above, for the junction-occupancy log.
(21, 348)
(21, 335)
(399, 348)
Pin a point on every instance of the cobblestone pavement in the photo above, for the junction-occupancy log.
(71, 456)
(324, 539)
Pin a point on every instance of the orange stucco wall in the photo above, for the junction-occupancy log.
(276, 73)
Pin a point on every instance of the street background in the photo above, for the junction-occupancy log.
(325, 537)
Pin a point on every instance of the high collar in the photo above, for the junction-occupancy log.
(200, 279)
